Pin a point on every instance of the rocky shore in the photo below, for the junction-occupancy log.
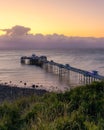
(10, 93)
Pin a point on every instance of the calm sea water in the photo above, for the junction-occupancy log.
(12, 70)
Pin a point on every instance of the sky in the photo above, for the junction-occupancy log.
(51, 23)
(83, 18)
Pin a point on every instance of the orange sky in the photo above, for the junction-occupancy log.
(68, 17)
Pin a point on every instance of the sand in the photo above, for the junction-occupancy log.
(10, 93)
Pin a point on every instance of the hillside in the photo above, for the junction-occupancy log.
(81, 108)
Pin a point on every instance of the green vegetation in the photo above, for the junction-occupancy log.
(80, 109)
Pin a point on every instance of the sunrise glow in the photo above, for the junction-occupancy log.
(68, 17)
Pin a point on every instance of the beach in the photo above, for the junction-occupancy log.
(10, 93)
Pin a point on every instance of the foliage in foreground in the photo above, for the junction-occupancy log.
(80, 109)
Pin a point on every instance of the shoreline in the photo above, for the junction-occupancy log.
(10, 93)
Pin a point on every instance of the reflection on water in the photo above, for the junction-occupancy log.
(12, 70)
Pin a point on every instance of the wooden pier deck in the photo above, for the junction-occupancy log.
(62, 70)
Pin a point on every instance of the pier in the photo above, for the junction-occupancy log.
(66, 71)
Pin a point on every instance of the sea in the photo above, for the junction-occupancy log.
(14, 73)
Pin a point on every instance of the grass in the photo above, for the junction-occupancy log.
(82, 108)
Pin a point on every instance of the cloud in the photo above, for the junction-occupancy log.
(17, 31)
(19, 37)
